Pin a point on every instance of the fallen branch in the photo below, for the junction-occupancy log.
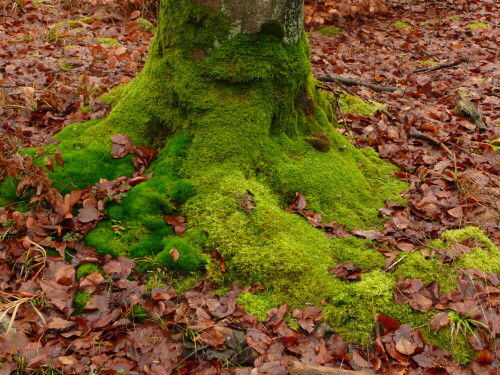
(354, 82)
(433, 141)
(442, 66)
(297, 368)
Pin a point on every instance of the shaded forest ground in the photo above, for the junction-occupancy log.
(58, 60)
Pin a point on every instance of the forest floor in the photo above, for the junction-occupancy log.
(57, 60)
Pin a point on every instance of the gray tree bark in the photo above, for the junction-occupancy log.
(250, 16)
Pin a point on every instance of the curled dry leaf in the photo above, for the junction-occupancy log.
(175, 254)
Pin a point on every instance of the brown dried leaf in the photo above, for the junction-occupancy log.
(440, 320)
(88, 214)
(59, 323)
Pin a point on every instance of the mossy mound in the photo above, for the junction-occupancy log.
(329, 30)
(145, 24)
(80, 301)
(235, 118)
(87, 269)
(357, 106)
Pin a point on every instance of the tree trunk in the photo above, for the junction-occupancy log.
(227, 87)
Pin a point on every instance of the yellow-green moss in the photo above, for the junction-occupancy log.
(80, 301)
(73, 23)
(139, 314)
(329, 30)
(145, 24)
(353, 305)
(355, 105)
(258, 304)
(428, 63)
(478, 25)
(401, 25)
(87, 269)
(109, 41)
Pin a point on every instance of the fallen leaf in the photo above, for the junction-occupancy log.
(175, 254)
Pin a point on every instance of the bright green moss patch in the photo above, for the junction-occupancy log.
(495, 143)
(145, 24)
(8, 188)
(109, 41)
(402, 25)
(189, 259)
(258, 304)
(329, 30)
(80, 301)
(427, 63)
(73, 23)
(139, 314)
(478, 25)
(87, 269)
(355, 105)
(486, 258)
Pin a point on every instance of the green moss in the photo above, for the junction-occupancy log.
(401, 25)
(139, 314)
(73, 23)
(478, 25)
(87, 269)
(428, 63)
(80, 300)
(109, 41)
(8, 188)
(66, 66)
(183, 284)
(353, 306)
(145, 24)
(236, 119)
(360, 252)
(190, 259)
(495, 143)
(355, 105)
(329, 30)
(258, 304)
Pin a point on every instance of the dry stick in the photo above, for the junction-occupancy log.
(343, 87)
(354, 82)
(442, 66)
(344, 121)
(433, 141)
(297, 368)
(196, 350)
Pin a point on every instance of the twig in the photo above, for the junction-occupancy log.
(344, 120)
(354, 82)
(433, 141)
(297, 368)
(398, 261)
(196, 350)
(442, 66)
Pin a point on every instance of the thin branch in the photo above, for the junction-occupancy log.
(442, 66)
(354, 82)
